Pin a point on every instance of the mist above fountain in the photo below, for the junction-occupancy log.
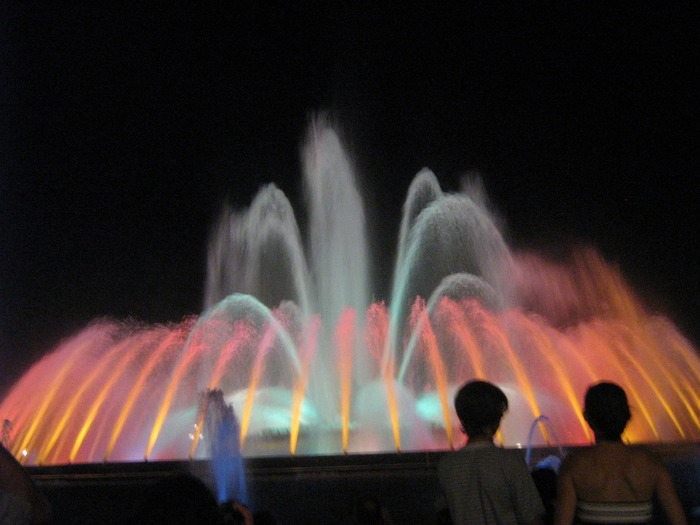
(311, 366)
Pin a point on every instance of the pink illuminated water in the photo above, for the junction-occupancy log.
(311, 366)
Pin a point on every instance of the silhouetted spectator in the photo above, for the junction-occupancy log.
(180, 499)
(264, 517)
(20, 500)
(236, 513)
(545, 479)
(442, 511)
(611, 482)
(368, 510)
(484, 483)
(442, 517)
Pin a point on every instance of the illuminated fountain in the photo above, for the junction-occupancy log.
(312, 366)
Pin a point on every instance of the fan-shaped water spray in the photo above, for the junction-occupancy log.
(310, 366)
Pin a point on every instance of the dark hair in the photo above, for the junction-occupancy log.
(232, 515)
(264, 517)
(177, 499)
(606, 410)
(480, 405)
(368, 510)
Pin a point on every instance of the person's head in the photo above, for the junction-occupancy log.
(606, 410)
(264, 517)
(177, 499)
(480, 406)
(236, 513)
(368, 510)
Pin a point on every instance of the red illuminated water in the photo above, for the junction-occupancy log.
(126, 392)
(322, 370)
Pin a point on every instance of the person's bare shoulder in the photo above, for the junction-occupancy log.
(577, 459)
(645, 459)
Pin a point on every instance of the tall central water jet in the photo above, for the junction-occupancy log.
(310, 366)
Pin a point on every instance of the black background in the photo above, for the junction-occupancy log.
(123, 130)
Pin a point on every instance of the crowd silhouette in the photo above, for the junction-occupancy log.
(607, 483)
(481, 483)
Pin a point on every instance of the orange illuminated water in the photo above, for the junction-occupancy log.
(139, 385)
(311, 366)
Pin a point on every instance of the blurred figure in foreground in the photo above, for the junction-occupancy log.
(21, 502)
(368, 510)
(484, 483)
(611, 482)
(180, 499)
(236, 513)
(221, 427)
(545, 477)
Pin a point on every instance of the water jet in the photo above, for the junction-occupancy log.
(312, 367)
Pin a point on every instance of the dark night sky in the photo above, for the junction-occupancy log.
(123, 130)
